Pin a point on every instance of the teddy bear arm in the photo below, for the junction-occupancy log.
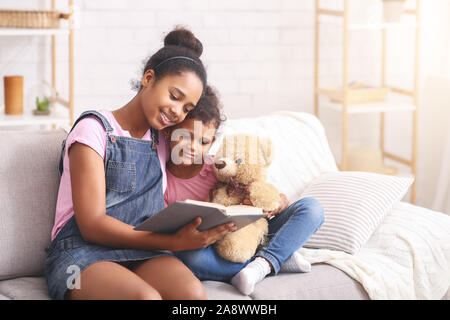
(264, 195)
(221, 197)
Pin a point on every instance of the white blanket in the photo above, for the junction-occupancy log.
(407, 257)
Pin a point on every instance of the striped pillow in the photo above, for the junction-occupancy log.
(354, 205)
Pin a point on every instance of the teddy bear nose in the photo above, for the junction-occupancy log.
(220, 164)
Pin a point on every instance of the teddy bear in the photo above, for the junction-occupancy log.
(240, 166)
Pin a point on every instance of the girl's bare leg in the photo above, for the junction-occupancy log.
(111, 281)
(171, 278)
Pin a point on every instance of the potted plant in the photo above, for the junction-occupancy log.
(41, 96)
(393, 10)
(42, 105)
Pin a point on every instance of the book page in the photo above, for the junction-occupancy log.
(239, 209)
(243, 210)
(206, 204)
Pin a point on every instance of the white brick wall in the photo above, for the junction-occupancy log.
(259, 53)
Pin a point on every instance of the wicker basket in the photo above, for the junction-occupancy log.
(359, 95)
(30, 19)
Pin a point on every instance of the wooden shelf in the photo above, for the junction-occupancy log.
(394, 103)
(399, 99)
(371, 26)
(29, 119)
(32, 32)
(383, 26)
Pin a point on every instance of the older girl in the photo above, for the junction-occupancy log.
(113, 178)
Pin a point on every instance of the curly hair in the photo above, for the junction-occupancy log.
(208, 108)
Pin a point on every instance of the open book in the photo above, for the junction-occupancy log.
(180, 213)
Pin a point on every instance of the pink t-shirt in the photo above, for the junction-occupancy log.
(91, 132)
(195, 188)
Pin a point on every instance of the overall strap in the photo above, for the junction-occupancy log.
(85, 114)
(101, 117)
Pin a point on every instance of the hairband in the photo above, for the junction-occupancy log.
(173, 58)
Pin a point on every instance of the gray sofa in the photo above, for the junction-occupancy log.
(28, 190)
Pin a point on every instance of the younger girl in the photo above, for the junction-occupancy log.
(190, 175)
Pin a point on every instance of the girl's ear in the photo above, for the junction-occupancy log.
(148, 78)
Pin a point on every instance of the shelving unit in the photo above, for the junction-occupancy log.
(32, 32)
(52, 119)
(32, 120)
(399, 100)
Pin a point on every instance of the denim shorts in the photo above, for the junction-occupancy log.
(68, 257)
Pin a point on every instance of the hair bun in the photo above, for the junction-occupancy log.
(180, 36)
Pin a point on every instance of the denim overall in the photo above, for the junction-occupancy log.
(134, 192)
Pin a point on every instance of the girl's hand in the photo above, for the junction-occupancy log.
(189, 238)
(284, 203)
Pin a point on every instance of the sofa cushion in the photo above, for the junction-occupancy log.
(28, 191)
(25, 288)
(2, 297)
(323, 282)
(310, 286)
(35, 288)
(216, 290)
(447, 295)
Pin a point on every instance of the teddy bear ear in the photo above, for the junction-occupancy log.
(265, 151)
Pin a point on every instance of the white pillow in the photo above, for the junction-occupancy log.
(354, 205)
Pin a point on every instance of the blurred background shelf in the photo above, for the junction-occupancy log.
(370, 26)
(32, 32)
(394, 103)
(28, 119)
(15, 30)
(397, 100)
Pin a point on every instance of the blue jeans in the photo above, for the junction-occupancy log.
(288, 231)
